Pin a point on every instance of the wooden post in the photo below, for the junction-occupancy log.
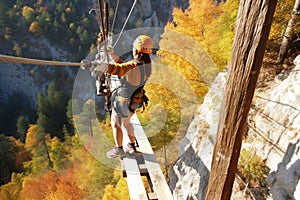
(252, 30)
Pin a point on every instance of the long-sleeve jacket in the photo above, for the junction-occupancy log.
(133, 71)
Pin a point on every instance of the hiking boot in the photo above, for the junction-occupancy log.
(130, 148)
(116, 152)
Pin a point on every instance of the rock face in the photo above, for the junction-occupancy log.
(273, 122)
(147, 13)
(28, 80)
(284, 182)
(189, 176)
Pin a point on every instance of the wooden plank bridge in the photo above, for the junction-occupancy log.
(144, 164)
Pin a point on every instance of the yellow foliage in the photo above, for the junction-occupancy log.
(17, 49)
(194, 47)
(31, 137)
(28, 13)
(120, 191)
(220, 33)
(181, 45)
(281, 17)
(210, 26)
(68, 10)
(35, 28)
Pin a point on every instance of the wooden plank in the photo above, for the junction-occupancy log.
(134, 180)
(141, 162)
(152, 196)
(141, 165)
(160, 186)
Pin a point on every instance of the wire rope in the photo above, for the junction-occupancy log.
(132, 7)
(115, 16)
(28, 61)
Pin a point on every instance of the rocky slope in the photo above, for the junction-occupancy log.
(273, 127)
(28, 80)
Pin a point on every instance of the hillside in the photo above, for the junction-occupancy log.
(28, 80)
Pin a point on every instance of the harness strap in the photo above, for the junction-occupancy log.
(142, 73)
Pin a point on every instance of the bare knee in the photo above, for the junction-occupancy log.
(115, 125)
(128, 126)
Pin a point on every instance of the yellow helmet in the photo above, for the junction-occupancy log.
(143, 44)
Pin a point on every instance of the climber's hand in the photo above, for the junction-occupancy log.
(85, 64)
(100, 67)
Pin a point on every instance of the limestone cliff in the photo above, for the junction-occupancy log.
(273, 127)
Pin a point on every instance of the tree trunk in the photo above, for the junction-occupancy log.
(253, 27)
(48, 154)
(286, 40)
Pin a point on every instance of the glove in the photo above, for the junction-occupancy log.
(85, 64)
(110, 50)
(100, 67)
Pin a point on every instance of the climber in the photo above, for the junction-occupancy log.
(131, 94)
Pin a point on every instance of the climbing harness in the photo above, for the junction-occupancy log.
(103, 80)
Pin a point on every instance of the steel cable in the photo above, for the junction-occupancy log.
(132, 7)
(12, 59)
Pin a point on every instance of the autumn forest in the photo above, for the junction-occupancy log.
(41, 154)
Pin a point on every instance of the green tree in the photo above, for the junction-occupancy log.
(22, 126)
(74, 107)
(85, 118)
(42, 104)
(44, 20)
(12, 110)
(51, 111)
(32, 138)
(58, 154)
(5, 161)
(3, 17)
(60, 7)
(37, 144)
